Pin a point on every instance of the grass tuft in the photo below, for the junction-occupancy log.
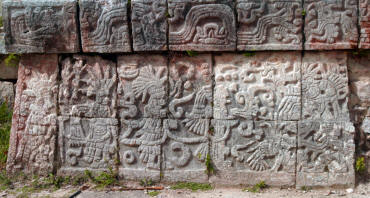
(360, 165)
(153, 193)
(192, 186)
(256, 188)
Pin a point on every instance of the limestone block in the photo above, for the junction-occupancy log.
(325, 86)
(364, 20)
(140, 143)
(185, 150)
(269, 24)
(202, 25)
(42, 26)
(88, 87)
(149, 25)
(104, 26)
(263, 86)
(191, 86)
(330, 24)
(34, 124)
(247, 152)
(143, 86)
(87, 144)
(7, 94)
(325, 154)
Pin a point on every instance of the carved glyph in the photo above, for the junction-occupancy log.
(364, 20)
(34, 124)
(104, 26)
(201, 25)
(88, 87)
(264, 86)
(269, 24)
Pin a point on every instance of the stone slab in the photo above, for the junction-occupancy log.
(88, 87)
(7, 94)
(104, 26)
(34, 124)
(149, 25)
(248, 152)
(200, 25)
(87, 144)
(42, 26)
(190, 86)
(330, 24)
(325, 154)
(325, 86)
(269, 24)
(142, 86)
(364, 21)
(264, 86)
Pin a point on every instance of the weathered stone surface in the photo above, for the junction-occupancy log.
(325, 154)
(104, 26)
(43, 26)
(88, 87)
(264, 86)
(8, 72)
(7, 94)
(190, 83)
(247, 152)
(364, 19)
(87, 143)
(186, 150)
(34, 124)
(359, 78)
(330, 24)
(149, 25)
(143, 86)
(202, 25)
(269, 24)
(325, 86)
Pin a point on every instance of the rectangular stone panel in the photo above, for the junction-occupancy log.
(140, 143)
(202, 25)
(248, 152)
(325, 86)
(330, 24)
(34, 125)
(364, 20)
(87, 144)
(88, 87)
(190, 85)
(43, 26)
(185, 150)
(143, 86)
(263, 86)
(104, 26)
(269, 24)
(325, 154)
(149, 25)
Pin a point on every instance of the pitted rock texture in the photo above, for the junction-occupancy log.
(104, 26)
(42, 26)
(364, 20)
(330, 24)
(34, 125)
(7, 94)
(202, 25)
(149, 25)
(269, 24)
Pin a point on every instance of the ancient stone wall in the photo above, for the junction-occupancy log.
(161, 89)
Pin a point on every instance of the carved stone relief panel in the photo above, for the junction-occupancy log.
(263, 86)
(142, 87)
(34, 124)
(149, 25)
(88, 87)
(202, 25)
(247, 152)
(104, 26)
(325, 86)
(364, 20)
(269, 24)
(325, 153)
(190, 83)
(186, 150)
(330, 24)
(43, 26)
(87, 143)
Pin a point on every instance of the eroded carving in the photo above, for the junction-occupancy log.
(364, 19)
